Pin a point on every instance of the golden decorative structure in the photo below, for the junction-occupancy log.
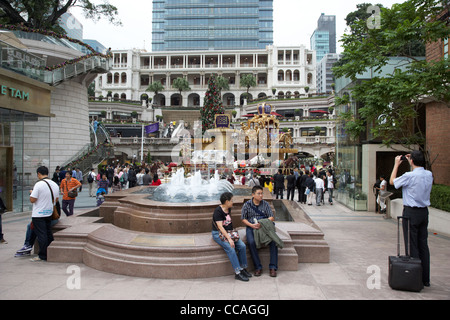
(267, 120)
(224, 138)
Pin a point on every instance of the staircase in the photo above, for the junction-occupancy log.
(100, 149)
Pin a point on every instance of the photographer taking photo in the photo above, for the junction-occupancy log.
(416, 188)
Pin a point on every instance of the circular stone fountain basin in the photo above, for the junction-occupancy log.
(137, 211)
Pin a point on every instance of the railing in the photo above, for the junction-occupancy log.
(93, 153)
(95, 63)
(315, 140)
(22, 62)
(136, 140)
(34, 67)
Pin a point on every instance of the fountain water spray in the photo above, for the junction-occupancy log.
(192, 189)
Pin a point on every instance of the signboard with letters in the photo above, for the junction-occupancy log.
(222, 121)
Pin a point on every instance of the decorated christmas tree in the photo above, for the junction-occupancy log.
(212, 105)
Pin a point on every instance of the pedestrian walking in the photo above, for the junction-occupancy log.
(68, 185)
(90, 179)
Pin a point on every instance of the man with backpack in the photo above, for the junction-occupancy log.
(90, 180)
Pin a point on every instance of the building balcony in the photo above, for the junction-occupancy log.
(314, 140)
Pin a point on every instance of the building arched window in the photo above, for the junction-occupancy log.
(288, 75)
(280, 75)
(310, 78)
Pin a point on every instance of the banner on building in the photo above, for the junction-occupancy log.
(152, 128)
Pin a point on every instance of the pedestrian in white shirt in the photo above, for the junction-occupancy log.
(330, 186)
(41, 215)
(90, 179)
(319, 189)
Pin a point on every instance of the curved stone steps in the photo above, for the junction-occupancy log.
(108, 248)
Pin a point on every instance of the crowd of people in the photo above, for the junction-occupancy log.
(312, 184)
(256, 214)
(107, 179)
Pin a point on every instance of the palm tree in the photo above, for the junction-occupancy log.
(155, 87)
(248, 80)
(222, 83)
(181, 84)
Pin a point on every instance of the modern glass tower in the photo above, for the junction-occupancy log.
(183, 25)
(323, 40)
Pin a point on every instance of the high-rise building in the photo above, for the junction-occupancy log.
(323, 40)
(185, 25)
(325, 77)
(97, 46)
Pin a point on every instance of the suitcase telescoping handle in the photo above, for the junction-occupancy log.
(408, 244)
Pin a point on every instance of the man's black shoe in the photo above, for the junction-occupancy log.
(241, 277)
(246, 273)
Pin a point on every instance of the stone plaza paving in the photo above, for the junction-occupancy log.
(360, 243)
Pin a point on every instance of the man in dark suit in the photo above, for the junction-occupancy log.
(302, 183)
(290, 185)
(278, 181)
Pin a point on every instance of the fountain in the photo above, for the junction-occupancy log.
(165, 231)
(193, 189)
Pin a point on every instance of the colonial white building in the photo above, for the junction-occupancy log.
(289, 71)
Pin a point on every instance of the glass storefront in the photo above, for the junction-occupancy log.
(349, 189)
(24, 125)
(24, 146)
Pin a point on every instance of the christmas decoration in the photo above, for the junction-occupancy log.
(212, 105)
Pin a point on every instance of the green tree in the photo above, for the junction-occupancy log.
(45, 14)
(212, 105)
(391, 103)
(181, 84)
(362, 14)
(91, 90)
(222, 83)
(155, 87)
(248, 81)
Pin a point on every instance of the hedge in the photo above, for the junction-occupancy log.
(440, 197)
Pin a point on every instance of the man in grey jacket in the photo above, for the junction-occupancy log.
(253, 211)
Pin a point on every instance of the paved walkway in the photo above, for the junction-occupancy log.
(360, 245)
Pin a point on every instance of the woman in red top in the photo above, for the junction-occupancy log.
(156, 181)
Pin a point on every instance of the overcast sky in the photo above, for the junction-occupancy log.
(294, 22)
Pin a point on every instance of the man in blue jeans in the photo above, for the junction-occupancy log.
(252, 211)
(43, 197)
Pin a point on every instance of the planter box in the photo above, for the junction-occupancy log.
(439, 220)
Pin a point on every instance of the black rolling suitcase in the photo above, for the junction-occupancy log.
(405, 272)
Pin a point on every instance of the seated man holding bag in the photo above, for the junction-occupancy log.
(253, 211)
(228, 239)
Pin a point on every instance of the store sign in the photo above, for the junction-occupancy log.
(14, 93)
(222, 121)
(18, 92)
